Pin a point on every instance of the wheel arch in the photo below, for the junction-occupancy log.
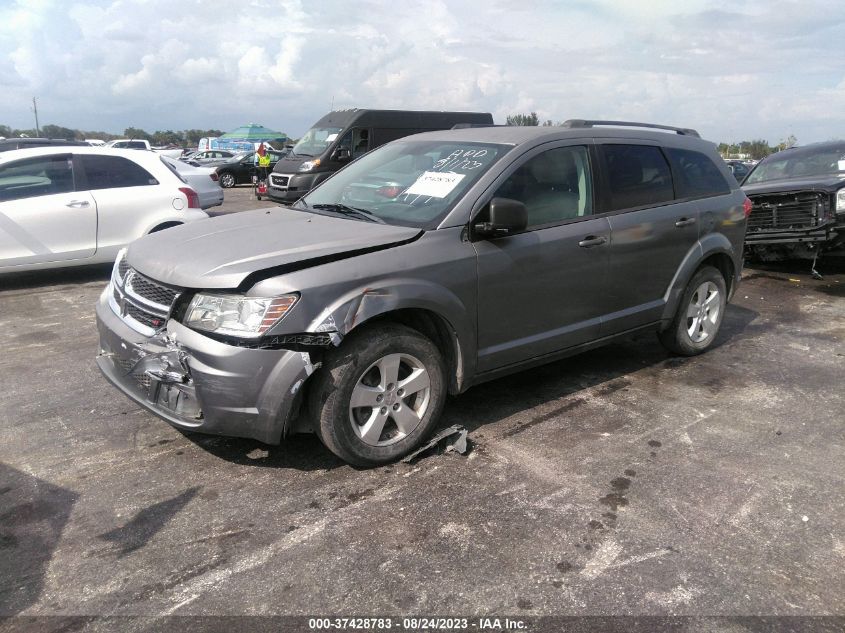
(163, 225)
(714, 250)
(422, 304)
(437, 329)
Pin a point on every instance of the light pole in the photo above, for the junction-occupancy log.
(35, 109)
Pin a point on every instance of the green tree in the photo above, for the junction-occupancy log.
(193, 136)
(134, 132)
(103, 136)
(523, 119)
(168, 137)
(57, 131)
(758, 148)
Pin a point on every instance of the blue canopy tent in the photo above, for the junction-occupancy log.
(246, 136)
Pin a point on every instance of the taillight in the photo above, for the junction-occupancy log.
(191, 195)
(389, 191)
(747, 206)
(214, 176)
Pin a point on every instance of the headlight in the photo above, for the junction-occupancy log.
(237, 315)
(308, 165)
(840, 201)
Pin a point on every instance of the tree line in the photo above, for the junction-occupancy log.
(182, 138)
(756, 149)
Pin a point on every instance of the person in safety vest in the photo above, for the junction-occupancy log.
(263, 157)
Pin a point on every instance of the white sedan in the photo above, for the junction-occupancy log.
(68, 206)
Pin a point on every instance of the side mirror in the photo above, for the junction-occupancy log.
(507, 217)
(341, 154)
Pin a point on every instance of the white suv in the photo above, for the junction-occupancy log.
(68, 206)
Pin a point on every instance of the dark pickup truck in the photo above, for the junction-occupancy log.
(798, 203)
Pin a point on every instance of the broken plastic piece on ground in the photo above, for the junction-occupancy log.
(457, 443)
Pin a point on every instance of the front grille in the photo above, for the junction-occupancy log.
(154, 321)
(151, 291)
(126, 365)
(142, 303)
(785, 211)
(279, 181)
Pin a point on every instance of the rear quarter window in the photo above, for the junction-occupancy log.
(695, 174)
(109, 172)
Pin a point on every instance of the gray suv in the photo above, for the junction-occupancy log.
(428, 265)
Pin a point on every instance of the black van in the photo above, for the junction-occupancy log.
(344, 135)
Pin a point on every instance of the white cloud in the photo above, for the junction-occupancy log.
(196, 70)
(758, 68)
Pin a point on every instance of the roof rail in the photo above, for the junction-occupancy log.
(464, 126)
(578, 123)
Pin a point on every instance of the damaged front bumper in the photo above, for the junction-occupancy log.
(199, 384)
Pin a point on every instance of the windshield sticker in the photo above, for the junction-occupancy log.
(841, 165)
(435, 184)
(461, 159)
(331, 137)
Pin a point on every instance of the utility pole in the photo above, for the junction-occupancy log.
(35, 109)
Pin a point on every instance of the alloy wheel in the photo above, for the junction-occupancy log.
(390, 399)
(703, 312)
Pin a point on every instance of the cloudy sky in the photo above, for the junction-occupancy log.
(736, 69)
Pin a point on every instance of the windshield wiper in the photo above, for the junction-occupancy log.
(343, 209)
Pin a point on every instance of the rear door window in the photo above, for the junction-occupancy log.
(638, 176)
(42, 176)
(109, 172)
(696, 176)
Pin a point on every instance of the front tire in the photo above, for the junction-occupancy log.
(227, 180)
(699, 315)
(379, 395)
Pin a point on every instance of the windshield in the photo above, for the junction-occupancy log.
(316, 140)
(410, 183)
(800, 163)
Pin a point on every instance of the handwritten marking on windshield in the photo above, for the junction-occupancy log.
(461, 159)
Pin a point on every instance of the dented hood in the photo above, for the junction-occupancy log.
(221, 252)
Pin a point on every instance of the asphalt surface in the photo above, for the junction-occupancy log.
(619, 482)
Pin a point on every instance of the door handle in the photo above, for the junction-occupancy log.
(592, 240)
(684, 222)
(78, 204)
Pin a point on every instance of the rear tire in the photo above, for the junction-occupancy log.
(699, 315)
(379, 395)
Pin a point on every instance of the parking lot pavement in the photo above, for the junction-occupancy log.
(240, 198)
(620, 481)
